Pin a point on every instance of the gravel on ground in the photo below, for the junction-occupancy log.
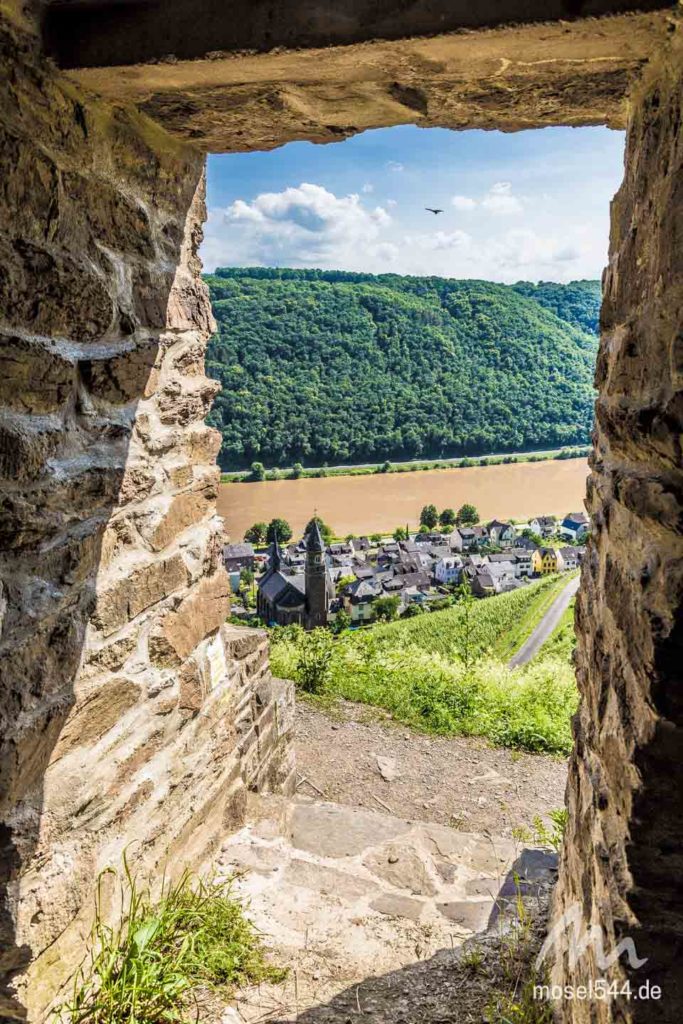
(456, 781)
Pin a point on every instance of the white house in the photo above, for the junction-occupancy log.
(448, 569)
(521, 558)
(455, 540)
(468, 537)
(544, 526)
(501, 572)
(574, 526)
(359, 598)
(501, 533)
(571, 557)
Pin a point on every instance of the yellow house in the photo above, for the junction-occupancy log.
(547, 560)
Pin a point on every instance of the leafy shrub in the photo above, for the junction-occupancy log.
(314, 660)
(551, 838)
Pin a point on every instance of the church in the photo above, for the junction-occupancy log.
(303, 598)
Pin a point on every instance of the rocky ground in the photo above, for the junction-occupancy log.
(356, 755)
(360, 906)
(392, 862)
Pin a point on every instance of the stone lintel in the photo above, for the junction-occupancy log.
(249, 85)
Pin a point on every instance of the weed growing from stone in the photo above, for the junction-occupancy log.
(549, 838)
(147, 968)
(473, 959)
(514, 1000)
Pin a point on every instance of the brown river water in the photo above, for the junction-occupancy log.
(378, 503)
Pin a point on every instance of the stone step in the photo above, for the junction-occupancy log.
(341, 893)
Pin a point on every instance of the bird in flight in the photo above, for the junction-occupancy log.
(432, 210)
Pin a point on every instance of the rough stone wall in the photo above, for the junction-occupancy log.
(509, 78)
(130, 717)
(623, 855)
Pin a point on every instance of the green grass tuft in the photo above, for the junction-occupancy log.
(146, 969)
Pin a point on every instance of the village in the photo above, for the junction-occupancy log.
(320, 581)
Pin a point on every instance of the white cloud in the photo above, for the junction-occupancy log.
(567, 253)
(441, 240)
(303, 226)
(391, 203)
(507, 256)
(367, 188)
(500, 199)
(394, 165)
(526, 248)
(387, 251)
(463, 202)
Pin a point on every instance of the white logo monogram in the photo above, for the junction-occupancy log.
(569, 929)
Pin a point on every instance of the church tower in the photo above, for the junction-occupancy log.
(316, 579)
(275, 560)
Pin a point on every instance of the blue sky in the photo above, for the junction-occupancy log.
(529, 205)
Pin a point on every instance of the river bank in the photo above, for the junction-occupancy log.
(413, 466)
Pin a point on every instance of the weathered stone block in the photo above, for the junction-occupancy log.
(181, 403)
(53, 292)
(151, 291)
(185, 510)
(25, 446)
(105, 211)
(137, 481)
(114, 655)
(124, 377)
(203, 610)
(241, 641)
(202, 444)
(97, 714)
(180, 476)
(124, 599)
(191, 682)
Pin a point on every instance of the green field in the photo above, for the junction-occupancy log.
(443, 672)
(501, 624)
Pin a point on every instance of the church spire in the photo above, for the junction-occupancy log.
(275, 554)
(314, 538)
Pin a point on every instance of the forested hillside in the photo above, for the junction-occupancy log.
(577, 302)
(333, 367)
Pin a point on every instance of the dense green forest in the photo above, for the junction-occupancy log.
(335, 367)
(577, 302)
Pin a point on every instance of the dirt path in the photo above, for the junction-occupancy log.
(547, 625)
(453, 781)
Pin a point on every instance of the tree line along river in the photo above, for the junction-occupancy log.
(377, 503)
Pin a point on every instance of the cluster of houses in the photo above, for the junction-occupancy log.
(310, 582)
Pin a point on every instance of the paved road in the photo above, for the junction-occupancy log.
(545, 627)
